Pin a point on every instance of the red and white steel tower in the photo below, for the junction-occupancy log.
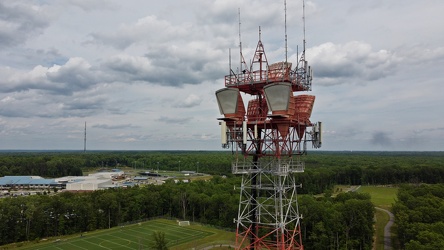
(268, 139)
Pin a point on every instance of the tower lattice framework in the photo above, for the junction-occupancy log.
(268, 139)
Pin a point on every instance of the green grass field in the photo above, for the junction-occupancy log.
(137, 236)
(382, 197)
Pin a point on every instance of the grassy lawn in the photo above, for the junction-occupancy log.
(138, 236)
(382, 197)
(381, 220)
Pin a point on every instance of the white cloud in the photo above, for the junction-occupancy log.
(20, 21)
(144, 72)
(192, 100)
(90, 5)
(148, 29)
(345, 63)
(75, 75)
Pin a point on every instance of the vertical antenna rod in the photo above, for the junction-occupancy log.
(286, 45)
(240, 43)
(84, 141)
(229, 60)
(303, 22)
(260, 33)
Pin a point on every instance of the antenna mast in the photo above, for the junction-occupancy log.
(84, 141)
(286, 45)
(229, 60)
(240, 43)
(303, 21)
(268, 139)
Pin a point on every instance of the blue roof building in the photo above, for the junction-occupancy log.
(8, 182)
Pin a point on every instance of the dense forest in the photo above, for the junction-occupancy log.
(323, 169)
(38, 216)
(329, 223)
(343, 222)
(419, 214)
(57, 164)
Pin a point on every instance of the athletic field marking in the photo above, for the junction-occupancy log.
(132, 236)
(77, 246)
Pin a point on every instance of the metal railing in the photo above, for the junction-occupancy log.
(273, 167)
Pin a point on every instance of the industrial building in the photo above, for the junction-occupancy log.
(89, 184)
(95, 181)
(28, 182)
(113, 174)
(69, 183)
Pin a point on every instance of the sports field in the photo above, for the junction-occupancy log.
(136, 236)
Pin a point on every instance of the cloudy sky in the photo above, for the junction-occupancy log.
(142, 74)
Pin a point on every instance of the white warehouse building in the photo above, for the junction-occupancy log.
(89, 185)
(85, 183)
(116, 173)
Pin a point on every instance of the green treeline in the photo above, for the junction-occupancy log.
(344, 222)
(45, 165)
(57, 164)
(326, 169)
(328, 223)
(323, 169)
(39, 216)
(419, 214)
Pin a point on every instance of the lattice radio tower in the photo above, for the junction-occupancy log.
(268, 139)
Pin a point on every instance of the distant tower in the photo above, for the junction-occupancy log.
(268, 139)
(84, 141)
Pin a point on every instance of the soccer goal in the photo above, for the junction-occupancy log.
(184, 223)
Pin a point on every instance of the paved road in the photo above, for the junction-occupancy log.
(387, 230)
